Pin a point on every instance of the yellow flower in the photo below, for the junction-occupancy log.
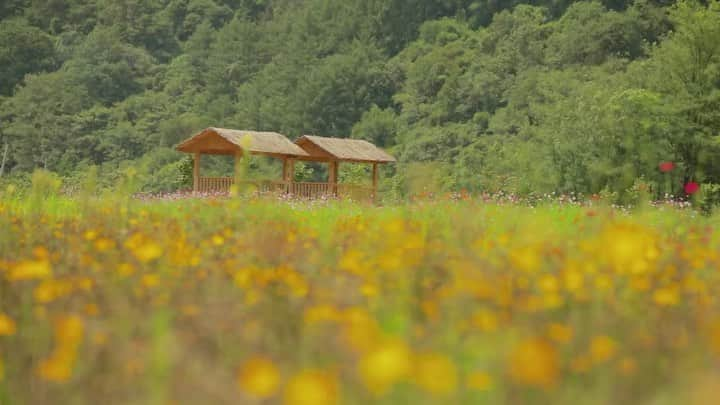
(143, 248)
(312, 387)
(58, 367)
(629, 248)
(485, 320)
(384, 366)
(560, 333)
(218, 240)
(361, 330)
(573, 279)
(30, 270)
(549, 283)
(435, 373)
(534, 363)
(7, 325)
(259, 377)
(50, 290)
(666, 297)
(321, 314)
(526, 259)
(150, 280)
(69, 330)
(104, 244)
(602, 349)
(479, 381)
(125, 270)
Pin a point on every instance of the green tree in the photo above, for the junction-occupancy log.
(23, 49)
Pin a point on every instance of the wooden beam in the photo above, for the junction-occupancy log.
(196, 171)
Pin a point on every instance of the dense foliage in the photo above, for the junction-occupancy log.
(524, 96)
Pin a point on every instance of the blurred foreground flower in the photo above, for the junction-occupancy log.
(69, 332)
(7, 325)
(602, 349)
(259, 377)
(143, 247)
(534, 363)
(436, 374)
(384, 366)
(312, 387)
(691, 188)
(30, 270)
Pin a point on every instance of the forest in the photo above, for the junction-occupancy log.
(527, 97)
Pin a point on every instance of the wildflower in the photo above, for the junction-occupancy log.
(691, 188)
(104, 244)
(479, 381)
(560, 333)
(143, 248)
(321, 314)
(312, 387)
(602, 349)
(436, 374)
(666, 167)
(7, 325)
(485, 320)
(666, 297)
(150, 280)
(630, 248)
(527, 259)
(384, 366)
(534, 363)
(68, 336)
(30, 270)
(218, 240)
(259, 377)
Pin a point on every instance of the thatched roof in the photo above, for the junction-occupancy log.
(343, 149)
(227, 141)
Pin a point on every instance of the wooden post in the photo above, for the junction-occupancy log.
(291, 171)
(196, 171)
(374, 181)
(238, 173)
(333, 177)
(286, 174)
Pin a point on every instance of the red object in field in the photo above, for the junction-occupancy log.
(691, 188)
(666, 166)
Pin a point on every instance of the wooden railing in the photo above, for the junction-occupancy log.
(214, 184)
(310, 190)
(304, 190)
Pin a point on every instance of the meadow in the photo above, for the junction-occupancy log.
(118, 300)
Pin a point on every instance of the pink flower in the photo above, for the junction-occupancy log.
(691, 188)
(666, 166)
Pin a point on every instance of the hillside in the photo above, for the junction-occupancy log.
(523, 96)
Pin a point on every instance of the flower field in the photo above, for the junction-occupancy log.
(261, 302)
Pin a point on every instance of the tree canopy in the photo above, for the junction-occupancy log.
(525, 96)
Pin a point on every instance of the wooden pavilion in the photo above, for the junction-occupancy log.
(333, 151)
